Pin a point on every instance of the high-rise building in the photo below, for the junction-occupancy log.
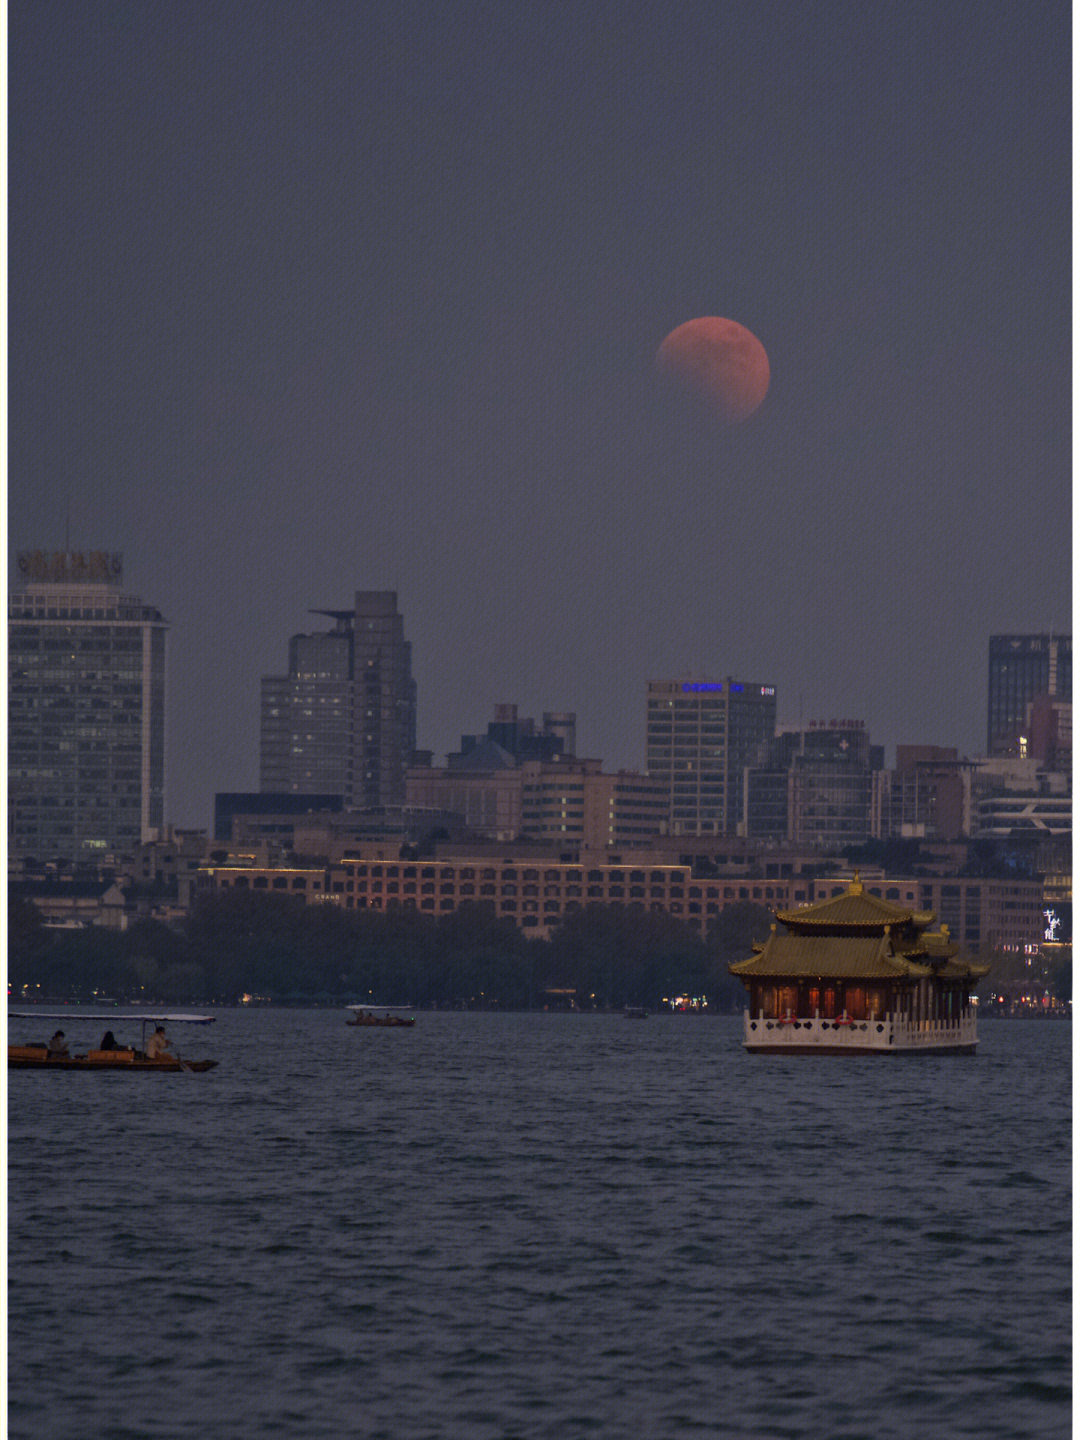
(816, 786)
(343, 720)
(1023, 668)
(931, 793)
(307, 716)
(86, 710)
(831, 784)
(700, 736)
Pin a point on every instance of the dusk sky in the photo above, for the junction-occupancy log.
(307, 298)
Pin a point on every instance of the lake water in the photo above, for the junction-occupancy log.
(541, 1227)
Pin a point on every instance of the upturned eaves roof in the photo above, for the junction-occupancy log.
(955, 969)
(855, 908)
(830, 957)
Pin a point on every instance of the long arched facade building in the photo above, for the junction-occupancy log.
(857, 973)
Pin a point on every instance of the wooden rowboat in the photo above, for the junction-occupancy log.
(37, 1057)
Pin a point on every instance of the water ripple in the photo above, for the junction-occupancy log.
(544, 1228)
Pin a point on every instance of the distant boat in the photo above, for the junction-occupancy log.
(636, 1012)
(379, 1015)
(37, 1057)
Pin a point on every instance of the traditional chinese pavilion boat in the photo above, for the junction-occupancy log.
(857, 973)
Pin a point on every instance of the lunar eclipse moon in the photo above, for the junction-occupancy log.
(718, 363)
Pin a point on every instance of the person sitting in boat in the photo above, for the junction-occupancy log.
(157, 1046)
(58, 1049)
(109, 1042)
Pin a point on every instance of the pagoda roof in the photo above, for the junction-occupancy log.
(854, 910)
(894, 954)
(831, 957)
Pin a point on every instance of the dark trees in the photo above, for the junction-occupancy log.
(242, 942)
(730, 937)
(615, 956)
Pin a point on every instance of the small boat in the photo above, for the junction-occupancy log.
(636, 1012)
(379, 1015)
(37, 1057)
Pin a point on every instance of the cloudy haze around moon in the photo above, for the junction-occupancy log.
(306, 299)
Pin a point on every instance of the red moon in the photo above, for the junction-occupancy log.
(717, 361)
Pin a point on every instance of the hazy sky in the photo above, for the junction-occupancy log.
(318, 296)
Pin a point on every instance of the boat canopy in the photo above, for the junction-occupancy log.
(372, 1009)
(158, 1017)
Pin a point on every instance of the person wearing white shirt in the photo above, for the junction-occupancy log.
(157, 1046)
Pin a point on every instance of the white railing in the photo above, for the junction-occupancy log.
(884, 1032)
(909, 1034)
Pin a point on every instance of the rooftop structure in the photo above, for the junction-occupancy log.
(518, 738)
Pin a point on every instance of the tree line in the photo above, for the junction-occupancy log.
(237, 943)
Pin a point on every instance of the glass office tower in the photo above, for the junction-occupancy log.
(1023, 669)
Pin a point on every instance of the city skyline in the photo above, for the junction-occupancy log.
(86, 699)
(308, 300)
(309, 642)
